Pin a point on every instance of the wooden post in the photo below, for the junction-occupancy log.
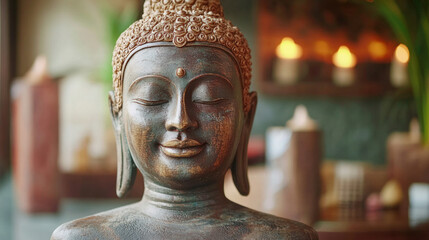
(35, 146)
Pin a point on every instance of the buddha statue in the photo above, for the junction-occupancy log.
(182, 114)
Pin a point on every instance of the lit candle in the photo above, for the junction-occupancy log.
(286, 66)
(344, 61)
(398, 70)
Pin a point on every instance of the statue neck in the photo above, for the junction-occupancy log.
(166, 203)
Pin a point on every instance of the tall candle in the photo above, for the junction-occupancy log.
(305, 154)
(398, 70)
(286, 65)
(344, 63)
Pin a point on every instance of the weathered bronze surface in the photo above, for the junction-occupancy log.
(183, 119)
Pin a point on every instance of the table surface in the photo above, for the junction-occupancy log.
(385, 224)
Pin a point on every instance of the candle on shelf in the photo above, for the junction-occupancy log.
(398, 70)
(344, 61)
(286, 65)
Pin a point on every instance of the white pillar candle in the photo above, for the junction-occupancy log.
(344, 62)
(398, 69)
(286, 65)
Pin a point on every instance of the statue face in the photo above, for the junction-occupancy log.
(182, 113)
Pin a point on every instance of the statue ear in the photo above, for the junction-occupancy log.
(239, 166)
(126, 172)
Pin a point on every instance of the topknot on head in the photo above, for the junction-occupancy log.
(186, 7)
(182, 22)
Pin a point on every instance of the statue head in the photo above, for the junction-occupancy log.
(181, 106)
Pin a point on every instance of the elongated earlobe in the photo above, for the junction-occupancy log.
(239, 169)
(126, 171)
(239, 166)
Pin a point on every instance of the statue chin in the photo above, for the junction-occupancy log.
(182, 116)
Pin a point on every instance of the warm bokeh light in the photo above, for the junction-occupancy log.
(322, 48)
(288, 49)
(377, 49)
(344, 58)
(402, 54)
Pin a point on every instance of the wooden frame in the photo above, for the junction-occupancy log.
(7, 52)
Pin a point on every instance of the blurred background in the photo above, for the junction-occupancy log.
(340, 138)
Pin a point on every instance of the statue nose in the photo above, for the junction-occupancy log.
(179, 119)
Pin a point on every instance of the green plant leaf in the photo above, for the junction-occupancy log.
(409, 22)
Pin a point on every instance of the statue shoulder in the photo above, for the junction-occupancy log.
(78, 229)
(289, 229)
(266, 226)
(105, 225)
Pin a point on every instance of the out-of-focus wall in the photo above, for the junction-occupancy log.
(74, 36)
(68, 33)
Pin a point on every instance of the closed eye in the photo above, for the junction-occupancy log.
(148, 102)
(210, 102)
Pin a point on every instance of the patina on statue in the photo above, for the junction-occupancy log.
(182, 114)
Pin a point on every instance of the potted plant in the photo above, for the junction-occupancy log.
(408, 153)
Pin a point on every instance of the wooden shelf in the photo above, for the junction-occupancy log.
(323, 89)
(371, 80)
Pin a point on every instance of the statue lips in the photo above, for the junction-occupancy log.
(182, 148)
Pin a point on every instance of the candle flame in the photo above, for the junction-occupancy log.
(344, 58)
(402, 54)
(288, 49)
